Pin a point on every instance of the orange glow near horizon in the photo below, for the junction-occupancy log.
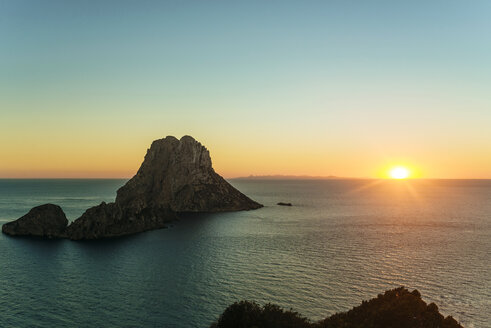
(120, 156)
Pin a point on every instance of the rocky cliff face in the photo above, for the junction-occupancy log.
(111, 220)
(42, 221)
(178, 175)
(175, 177)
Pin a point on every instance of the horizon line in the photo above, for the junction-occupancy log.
(250, 177)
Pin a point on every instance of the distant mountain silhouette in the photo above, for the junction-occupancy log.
(288, 177)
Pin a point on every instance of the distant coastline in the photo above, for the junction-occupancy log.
(333, 177)
(290, 177)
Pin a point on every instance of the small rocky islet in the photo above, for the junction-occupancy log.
(47, 220)
(175, 177)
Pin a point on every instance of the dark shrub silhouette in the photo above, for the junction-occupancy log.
(396, 308)
(246, 314)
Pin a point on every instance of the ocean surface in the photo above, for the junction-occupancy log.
(343, 241)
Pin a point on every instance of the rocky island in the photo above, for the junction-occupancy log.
(47, 220)
(175, 177)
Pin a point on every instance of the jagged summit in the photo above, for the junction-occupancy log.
(178, 174)
(175, 177)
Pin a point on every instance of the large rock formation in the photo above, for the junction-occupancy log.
(175, 177)
(47, 220)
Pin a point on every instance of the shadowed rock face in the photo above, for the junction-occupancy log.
(177, 174)
(111, 220)
(175, 177)
(42, 221)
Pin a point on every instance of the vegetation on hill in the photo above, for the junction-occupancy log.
(396, 308)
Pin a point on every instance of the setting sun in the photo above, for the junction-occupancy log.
(399, 173)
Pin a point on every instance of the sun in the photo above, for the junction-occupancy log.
(399, 173)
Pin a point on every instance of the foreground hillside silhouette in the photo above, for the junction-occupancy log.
(396, 308)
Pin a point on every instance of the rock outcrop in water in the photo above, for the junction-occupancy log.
(395, 308)
(178, 175)
(47, 220)
(175, 177)
(111, 220)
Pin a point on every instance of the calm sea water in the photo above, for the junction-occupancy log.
(343, 241)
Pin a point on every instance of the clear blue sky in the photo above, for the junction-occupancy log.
(288, 87)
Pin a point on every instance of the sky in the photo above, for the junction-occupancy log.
(345, 88)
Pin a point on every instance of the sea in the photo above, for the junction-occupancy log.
(342, 241)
